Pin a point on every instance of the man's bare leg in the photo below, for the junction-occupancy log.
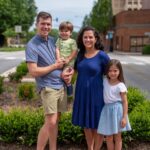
(48, 131)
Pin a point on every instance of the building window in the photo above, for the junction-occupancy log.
(146, 40)
(138, 42)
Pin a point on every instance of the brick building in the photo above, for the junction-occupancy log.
(131, 29)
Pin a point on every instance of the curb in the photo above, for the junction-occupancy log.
(6, 73)
(28, 80)
(127, 53)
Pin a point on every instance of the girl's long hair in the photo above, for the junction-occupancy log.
(116, 63)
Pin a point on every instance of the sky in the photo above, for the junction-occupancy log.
(66, 10)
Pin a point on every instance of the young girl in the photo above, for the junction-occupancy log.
(114, 118)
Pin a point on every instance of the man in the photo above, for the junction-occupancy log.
(42, 64)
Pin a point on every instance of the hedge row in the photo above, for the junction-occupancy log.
(23, 124)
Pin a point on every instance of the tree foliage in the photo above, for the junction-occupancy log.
(100, 16)
(86, 21)
(17, 12)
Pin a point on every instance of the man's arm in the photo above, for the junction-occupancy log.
(36, 71)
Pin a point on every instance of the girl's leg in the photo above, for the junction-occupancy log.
(110, 142)
(118, 141)
(89, 135)
(98, 140)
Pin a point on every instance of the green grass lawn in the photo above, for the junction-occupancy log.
(11, 49)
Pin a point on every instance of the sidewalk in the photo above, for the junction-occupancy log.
(127, 53)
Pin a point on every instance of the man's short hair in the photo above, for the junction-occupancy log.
(43, 15)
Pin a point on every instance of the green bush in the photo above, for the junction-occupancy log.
(26, 91)
(135, 97)
(11, 49)
(23, 124)
(15, 76)
(74, 77)
(140, 121)
(22, 68)
(10, 33)
(1, 84)
(30, 35)
(69, 133)
(20, 125)
(146, 50)
(20, 72)
(139, 112)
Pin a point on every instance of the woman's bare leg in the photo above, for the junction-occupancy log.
(89, 135)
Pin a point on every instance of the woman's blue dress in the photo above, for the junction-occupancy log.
(89, 101)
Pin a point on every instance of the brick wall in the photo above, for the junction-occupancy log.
(133, 17)
(129, 24)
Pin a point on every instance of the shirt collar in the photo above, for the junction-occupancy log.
(41, 38)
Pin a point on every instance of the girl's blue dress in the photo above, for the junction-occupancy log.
(89, 101)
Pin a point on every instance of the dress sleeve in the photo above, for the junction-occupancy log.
(122, 87)
(105, 61)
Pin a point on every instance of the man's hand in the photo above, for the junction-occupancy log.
(59, 64)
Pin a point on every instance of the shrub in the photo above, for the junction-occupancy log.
(146, 50)
(11, 49)
(20, 72)
(140, 121)
(135, 97)
(74, 77)
(20, 125)
(26, 90)
(23, 124)
(22, 68)
(1, 84)
(15, 76)
(69, 133)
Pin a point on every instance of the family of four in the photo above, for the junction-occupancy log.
(100, 101)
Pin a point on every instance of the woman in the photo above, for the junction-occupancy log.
(90, 66)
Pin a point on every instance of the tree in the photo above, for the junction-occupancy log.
(86, 21)
(17, 12)
(100, 16)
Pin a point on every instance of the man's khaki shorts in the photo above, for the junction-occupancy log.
(54, 100)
